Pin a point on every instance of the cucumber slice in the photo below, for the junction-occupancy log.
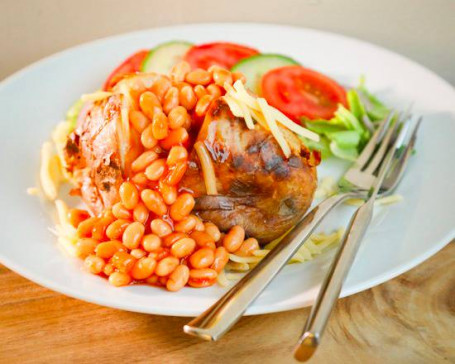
(161, 58)
(255, 66)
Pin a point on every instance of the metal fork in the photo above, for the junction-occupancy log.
(223, 314)
(335, 277)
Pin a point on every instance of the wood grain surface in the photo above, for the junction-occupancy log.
(410, 319)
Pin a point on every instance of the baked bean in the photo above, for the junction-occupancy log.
(76, 216)
(107, 249)
(147, 138)
(133, 234)
(129, 195)
(200, 91)
(176, 137)
(187, 97)
(154, 201)
(138, 253)
(119, 279)
(107, 213)
(149, 104)
(171, 100)
(84, 229)
(202, 277)
(151, 242)
(214, 90)
(120, 211)
(153, 280)
(178, 278)
(166, 266)
(182, 207)
(181, 84)
(203, 239)
(172, 238)
(183, 247)
(178, 117)
(199, 77)
(248, 247)
(160, 227)
(199, 224)
(221, 259)
(234, 238)
(179, 71)
(160, 253)
(176, 173)
(186, 225)
(157, 149)
(212, 230)
(238, 76)
(221, 76)
(143, 268)
(160, 87)
(123, 261)
(85, 247)
(203, 105)
(160, 129)
(94, 264)
(143, 161)
(138, 120)
(177, 154)
(163, 280)
(156, 169)
(140, 179)
(169, 193)
(108, 269)
(115, 230)
(141, 213)
(202, 258)
(99, 229)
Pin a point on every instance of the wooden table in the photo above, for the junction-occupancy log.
(410, 319)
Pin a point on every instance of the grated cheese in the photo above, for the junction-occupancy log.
(208, 171)
(49, 171)
(66, 233)
(314, 246)
(388, 200)
(265, 108)
(96, 96)
(242, 104)
(33, 191)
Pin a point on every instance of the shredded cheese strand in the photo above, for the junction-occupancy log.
(96, 96)
(208, 171)
(274, 127)
(242, 104)
(49, 171)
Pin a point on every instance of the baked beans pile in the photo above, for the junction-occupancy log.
(150, 235)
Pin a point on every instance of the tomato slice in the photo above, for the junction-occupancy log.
(130, 65)
(221, 54)
(299, 91)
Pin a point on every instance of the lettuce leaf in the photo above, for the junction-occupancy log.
(323, 145)
(73, 113)
(349, 153)
(350, 129)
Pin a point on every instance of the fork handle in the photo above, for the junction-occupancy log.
(221, 316)
(331, 286)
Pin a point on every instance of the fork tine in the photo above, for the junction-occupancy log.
(399, 166)
(368, 150)
(382, 149)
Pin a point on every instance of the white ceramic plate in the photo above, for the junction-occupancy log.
(401, 236)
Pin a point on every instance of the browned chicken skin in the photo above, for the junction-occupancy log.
(258, 188)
